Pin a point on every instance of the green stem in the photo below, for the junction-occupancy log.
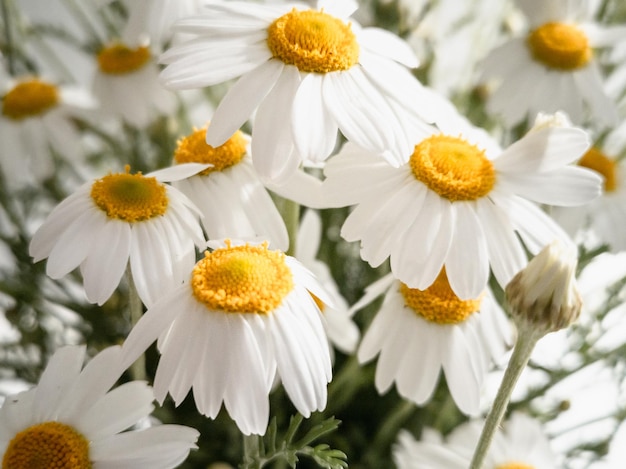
(290, 211)
(135, 305)
(524, 346)
(9, 52)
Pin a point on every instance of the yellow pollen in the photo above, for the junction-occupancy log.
(597, 161)
(242, 279)
(560, 46)
(313, 41)
(320, 304)
(194, 149)
(48, 445)
(438, 303)
(514, 465)
(118, 59)
(453, 168)
(29, 98)
(130, 197)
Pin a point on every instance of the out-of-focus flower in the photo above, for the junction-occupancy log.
(310, 72)
(420, 332)
(340, 328)
(229, 193)
(71, 420)
(521, 445)
(245, 317)
(544, 294)
(119, 218)
(553, 67)
(603, 217)
(459, 202)
(36, 125)
(126, 84)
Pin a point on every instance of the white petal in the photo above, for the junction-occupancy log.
(240, 100)
(387, 44)
(178, 171)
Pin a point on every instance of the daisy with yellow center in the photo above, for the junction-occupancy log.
(70, 420)
(522, 444)
(126, 84)
(245, 316)
(230, 195)
(37, 122)
(459, 202)
(418, 333)
(601, 221)
(118, 220)
(552, 68)
(307, 72)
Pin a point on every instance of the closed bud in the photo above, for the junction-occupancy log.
(544, 296)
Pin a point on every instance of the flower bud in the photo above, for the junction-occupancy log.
(544, 295)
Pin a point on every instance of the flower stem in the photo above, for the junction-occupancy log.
(526, 341)
(290, 212)
(135, 305)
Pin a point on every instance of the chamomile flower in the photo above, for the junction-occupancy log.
(126, 84)
(229, 193)
(245, 317)
(552, 67)
(417, 333)
(460, 202)
(118, 220)
(310, 72)
(521, 445)
(342, 332)
(72, 420)
(603, 217)
(36, 122)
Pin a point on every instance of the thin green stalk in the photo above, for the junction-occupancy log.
(135, 305)
(8, 37)
(526, 341)
(290, 211)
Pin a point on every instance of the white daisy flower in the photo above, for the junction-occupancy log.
(340, 328)
(310, 72)
(37, 120)
(246, 317)
(553, 67)
(521, 445)
(420, 332)
(126, 85)
(602, 218)
(71, 420)
(460, 201)
(122, 218)
(229, 193)
(154, 19)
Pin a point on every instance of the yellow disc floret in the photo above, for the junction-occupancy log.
(48, 445)
(560, 46)
(194, 149)
(242, 279)
(438, 303)
(130, 197)
(313, 41)
(597, 161)
(29, 98)
(453, 168)
(514, 465)
(118, 59)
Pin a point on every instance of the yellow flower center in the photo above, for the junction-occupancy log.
(514, 465)
(48, 445)
(453, 168)
(597, 161)
(438, 303)
(313, 41)
(130, 197)
(194, 149)
(118, 59)
(560, 46)
(242, 279)
(29, 98)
